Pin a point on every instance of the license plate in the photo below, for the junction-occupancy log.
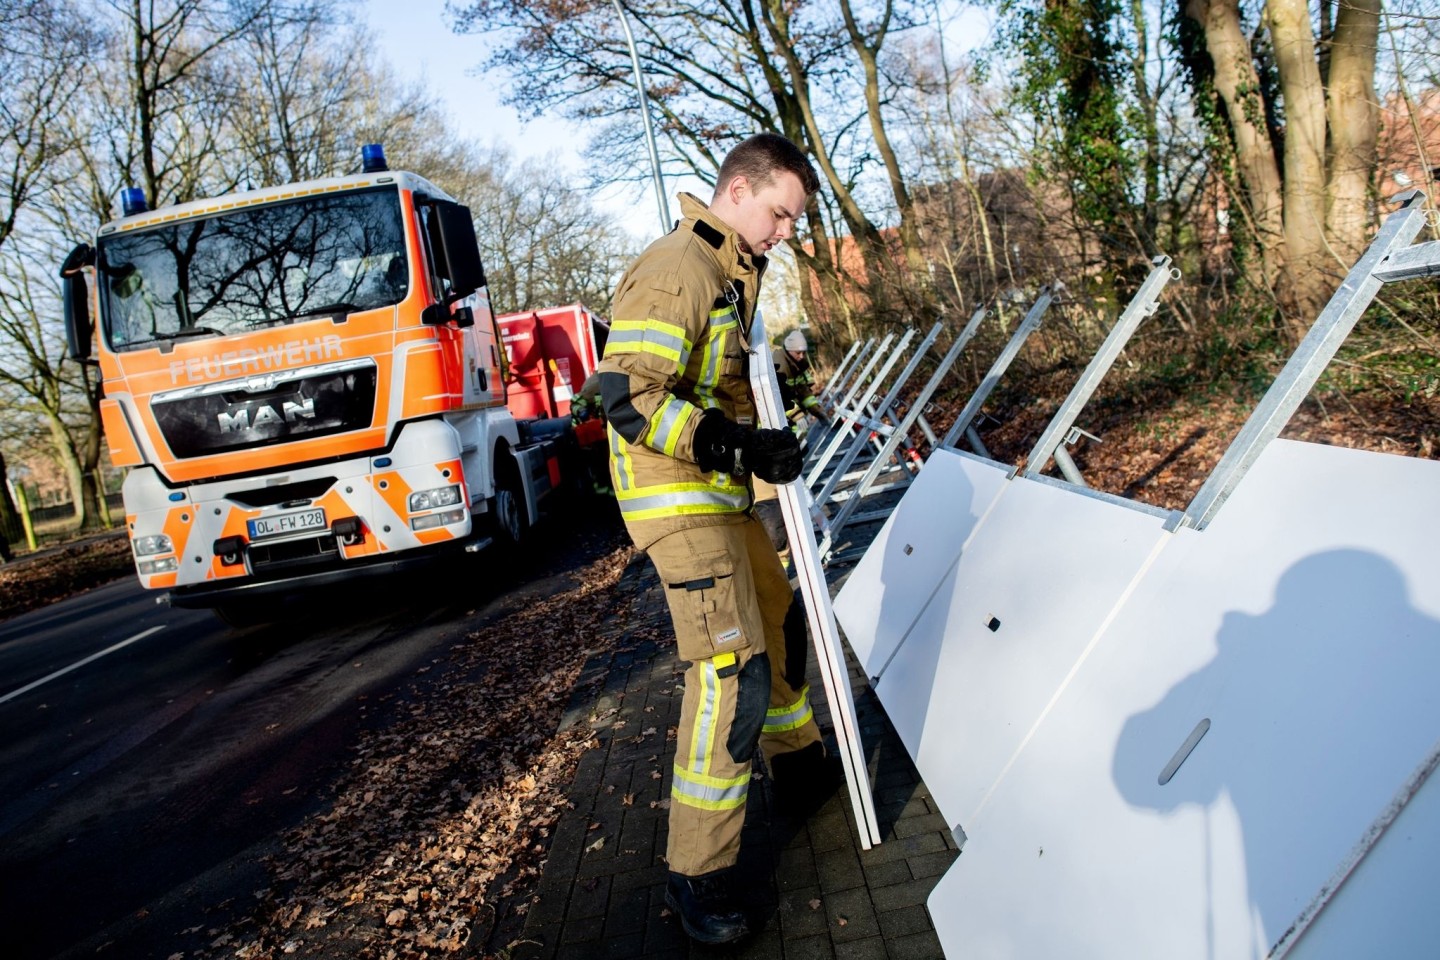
(287, 523)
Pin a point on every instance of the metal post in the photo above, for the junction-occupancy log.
(840, 370)
(1389, 257)
(842, 384)
(846, 416)
(1144, 304)
(843, 517)
(838, 473)
(22, 503)
(997, 370)
(837, 429)
(645, 116)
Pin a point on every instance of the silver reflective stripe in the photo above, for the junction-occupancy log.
(688, 498)
(660, 434)
(721, 323)
(705, 720)
(779, 719)
(619, 450)
(732, 794)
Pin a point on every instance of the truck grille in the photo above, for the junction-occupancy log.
(274, 408)
(271, 557)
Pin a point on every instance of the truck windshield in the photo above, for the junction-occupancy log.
(276, 263)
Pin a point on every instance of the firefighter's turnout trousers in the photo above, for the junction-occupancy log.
(742, 630)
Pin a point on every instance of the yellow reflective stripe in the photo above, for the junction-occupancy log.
(651, 336)
(680, 499)
(668, 424)
(722, 321)
(622, 468)
(709, 793)
(791, 716)
(702, 737)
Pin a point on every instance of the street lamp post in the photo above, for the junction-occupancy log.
(645, 117)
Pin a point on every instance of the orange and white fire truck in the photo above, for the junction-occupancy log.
(306, 382)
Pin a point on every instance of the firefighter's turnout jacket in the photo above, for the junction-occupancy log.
(797, 382)
(677, 346)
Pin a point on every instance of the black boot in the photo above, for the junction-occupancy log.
(706, 908)
(804, 780)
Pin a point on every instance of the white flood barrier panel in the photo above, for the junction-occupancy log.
(915, 549)
(1198, 735)
(1239, 767)
(804, 552)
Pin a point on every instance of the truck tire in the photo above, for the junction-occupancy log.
(508, 521)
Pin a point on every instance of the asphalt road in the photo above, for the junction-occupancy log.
(157, 753)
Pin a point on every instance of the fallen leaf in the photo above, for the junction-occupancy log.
(599, 842)
(395, 917)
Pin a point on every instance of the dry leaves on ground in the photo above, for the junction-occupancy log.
(447, 811)
(28, 584)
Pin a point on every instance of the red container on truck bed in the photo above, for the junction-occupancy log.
(551, 351)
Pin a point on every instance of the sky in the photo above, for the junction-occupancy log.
(421, 44)
(418, 41)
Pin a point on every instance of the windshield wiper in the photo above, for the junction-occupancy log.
(156, 335)
(339, 307)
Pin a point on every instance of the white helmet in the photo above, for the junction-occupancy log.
(795, 341)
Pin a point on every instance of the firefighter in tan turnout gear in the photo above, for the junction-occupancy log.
(683, 448)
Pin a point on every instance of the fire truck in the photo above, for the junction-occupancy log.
(307, 382)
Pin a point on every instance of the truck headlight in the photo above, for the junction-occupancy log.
(149, 546)
(430, 499)
(437, 519)
(164, 565)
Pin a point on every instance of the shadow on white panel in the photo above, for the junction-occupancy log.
(1276, 671)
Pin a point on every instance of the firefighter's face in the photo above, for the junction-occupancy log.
(765, 216)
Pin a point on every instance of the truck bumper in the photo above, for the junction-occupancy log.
(289, 525)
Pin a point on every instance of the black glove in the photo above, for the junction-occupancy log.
(718, 442)
(773, 455)
(724, 446)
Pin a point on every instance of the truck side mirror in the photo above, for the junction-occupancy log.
(459, 252)
(78, 328)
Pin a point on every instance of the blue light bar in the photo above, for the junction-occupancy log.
(372, 158)
(132, 201)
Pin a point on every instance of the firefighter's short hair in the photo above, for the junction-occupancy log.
(759, 158)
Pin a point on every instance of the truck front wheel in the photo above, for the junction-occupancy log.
(507, 507)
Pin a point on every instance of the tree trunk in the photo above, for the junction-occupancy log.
(868, 54)
(1354, 126)
(1238, 85)
(1306, 287)
(10, 525)
(64, 449)
(1150, 131)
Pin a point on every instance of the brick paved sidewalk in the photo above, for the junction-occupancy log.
(813, 892)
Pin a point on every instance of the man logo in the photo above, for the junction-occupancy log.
(265, 415)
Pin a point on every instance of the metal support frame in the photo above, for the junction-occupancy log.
(1390, 257)
(841, 371)
(846, 414)
(864, 360)
(965, 422)
(1145, 303)
(857, 493)
(885, 406)
(860, 379)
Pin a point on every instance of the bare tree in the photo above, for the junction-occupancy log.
(1308, 197)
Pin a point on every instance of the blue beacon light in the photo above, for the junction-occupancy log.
(132, 201)
(372, 158)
